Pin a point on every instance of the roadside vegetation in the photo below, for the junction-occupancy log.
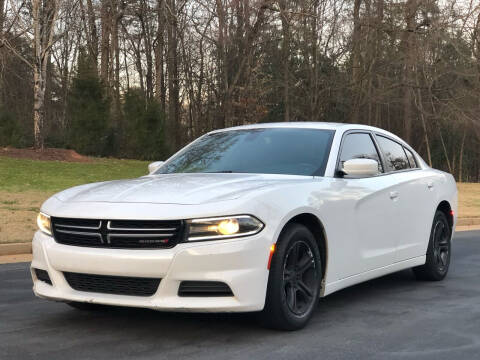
(26, 183)
(24, 175)
(140, 79)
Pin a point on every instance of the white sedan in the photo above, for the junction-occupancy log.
(266, 217)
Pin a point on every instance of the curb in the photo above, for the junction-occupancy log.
(475, 221)
(10, 259)
(16, 248)
(467, 228)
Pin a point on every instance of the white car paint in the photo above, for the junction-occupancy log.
(372, 226)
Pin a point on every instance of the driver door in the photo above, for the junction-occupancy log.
(370, 226)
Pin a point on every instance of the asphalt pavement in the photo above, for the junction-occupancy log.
(394, 317)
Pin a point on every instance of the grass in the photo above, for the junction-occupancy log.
(21, 175)
(25, 184)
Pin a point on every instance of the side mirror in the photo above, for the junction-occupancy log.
(154, 166)
(360, 167)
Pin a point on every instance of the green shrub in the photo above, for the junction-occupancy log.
(10, 130)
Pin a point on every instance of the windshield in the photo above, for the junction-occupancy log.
(263, 151)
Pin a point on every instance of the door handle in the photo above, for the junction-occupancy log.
(393, 195)
(430, 185)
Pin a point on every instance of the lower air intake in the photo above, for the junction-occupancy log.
(204, 289)
(42, 275)
(117, 285)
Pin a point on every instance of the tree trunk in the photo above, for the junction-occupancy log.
(314, 112)
(2, 17)
(146, 36)
(223, 69)
(377, 59)
(460, 158)
(44, 17)
(93, 41)
(106, 20)
(285, 57)
(173, 119)
(38, 105)
(115, 55)
(409, 41)
(160, 90)
(356, 62)
(2, 35)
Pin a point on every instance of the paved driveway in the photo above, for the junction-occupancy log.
(394, 317)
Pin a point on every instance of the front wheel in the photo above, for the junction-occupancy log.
(294, 281)
(438, 252)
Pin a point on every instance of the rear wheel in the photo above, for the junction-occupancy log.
(438, 252)
(294, 281)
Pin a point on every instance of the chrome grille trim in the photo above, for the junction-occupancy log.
(109, 227)
(118, 234)
(79, 233)
(140, 235)
(80, 227)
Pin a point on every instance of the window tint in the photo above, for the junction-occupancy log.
(359, 146)
(262, 151)
(395, 158)
(411, 158)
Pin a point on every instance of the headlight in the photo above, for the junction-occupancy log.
(223, 227)
(44, 224)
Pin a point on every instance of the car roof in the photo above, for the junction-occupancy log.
(311, 125)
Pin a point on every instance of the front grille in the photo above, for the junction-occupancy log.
(119, 234)
(204, 289)
(42, 275)
(117, 285)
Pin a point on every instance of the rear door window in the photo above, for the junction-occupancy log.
(395, 157)
(411, 158)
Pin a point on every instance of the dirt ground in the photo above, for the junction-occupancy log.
(46, 154)
(18, 213)
(468, 200)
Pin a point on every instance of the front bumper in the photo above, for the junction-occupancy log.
(240, 263)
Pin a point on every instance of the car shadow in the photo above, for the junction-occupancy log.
(146, 323)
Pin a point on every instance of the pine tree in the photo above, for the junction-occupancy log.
(144, 122)
(88, 111)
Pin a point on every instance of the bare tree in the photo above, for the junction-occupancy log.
(411, 66)
(44, 15)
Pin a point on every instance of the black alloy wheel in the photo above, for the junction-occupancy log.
(441, 245)
(438, 252)
(299, 277)
(294, 281)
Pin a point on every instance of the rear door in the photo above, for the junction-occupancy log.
(415, 204)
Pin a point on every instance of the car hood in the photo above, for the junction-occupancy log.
(175, 188)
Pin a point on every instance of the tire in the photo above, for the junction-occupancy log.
(84, 306)
(438, 251)
(294, 280)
